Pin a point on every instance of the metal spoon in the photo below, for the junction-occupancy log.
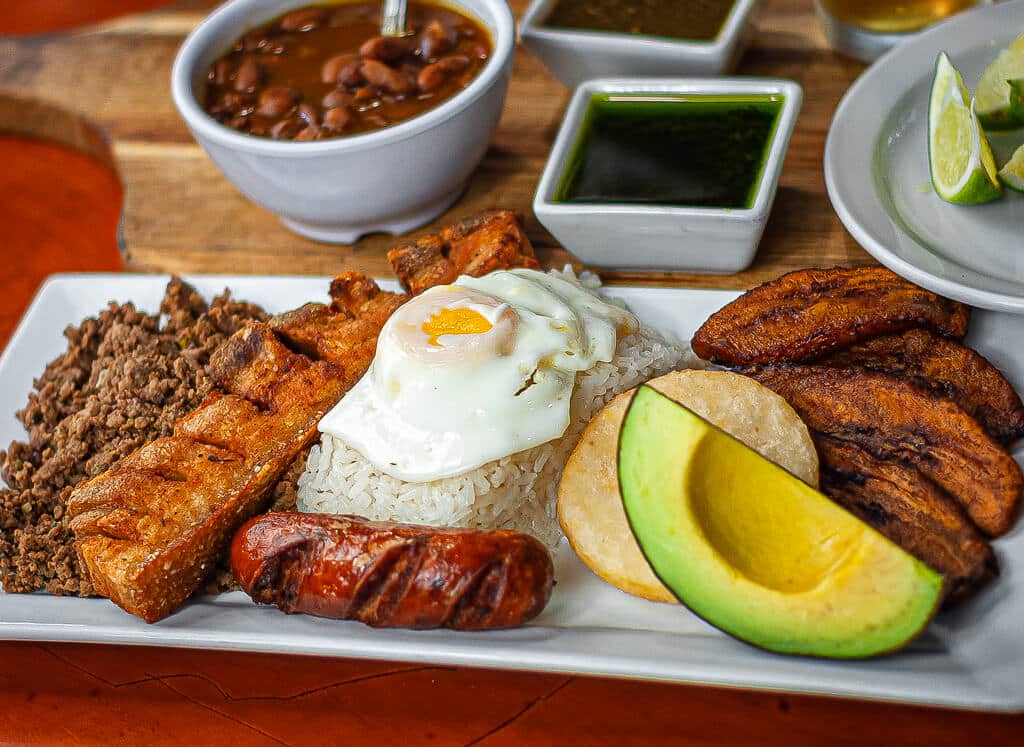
(392, 18)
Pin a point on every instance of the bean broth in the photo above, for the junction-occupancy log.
(325, 71)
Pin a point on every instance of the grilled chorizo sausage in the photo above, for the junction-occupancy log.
(392, 575)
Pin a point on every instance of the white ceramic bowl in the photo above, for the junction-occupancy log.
(656, 237)
(392, 180)
(575, 55)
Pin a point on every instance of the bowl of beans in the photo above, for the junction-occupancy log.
(313, 114)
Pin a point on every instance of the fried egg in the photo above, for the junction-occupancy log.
(475, 371)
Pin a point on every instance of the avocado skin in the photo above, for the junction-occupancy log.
(651, 425)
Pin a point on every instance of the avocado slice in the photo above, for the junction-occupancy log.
(757, 552)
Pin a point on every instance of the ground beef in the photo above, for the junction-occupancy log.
(124, 380)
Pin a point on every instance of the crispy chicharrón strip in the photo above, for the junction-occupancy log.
(152, 527)
(491, 240)
(807, 314)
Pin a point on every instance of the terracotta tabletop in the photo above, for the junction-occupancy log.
(61, 195)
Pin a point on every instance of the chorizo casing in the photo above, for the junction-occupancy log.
(392, 575)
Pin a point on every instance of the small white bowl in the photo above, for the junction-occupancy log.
(393, 179)
(659, 237)
(574, 55)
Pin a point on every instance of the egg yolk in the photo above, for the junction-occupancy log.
(461, 321)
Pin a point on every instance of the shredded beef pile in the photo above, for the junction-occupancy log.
(123, 381)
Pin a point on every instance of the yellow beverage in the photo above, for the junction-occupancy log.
(899, 17)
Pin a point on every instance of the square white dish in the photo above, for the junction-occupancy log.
(573, 55)
(664, 237)
(972, 657)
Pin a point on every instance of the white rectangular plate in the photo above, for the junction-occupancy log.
(972, 657)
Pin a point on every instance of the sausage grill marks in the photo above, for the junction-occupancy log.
(324, 71)
(392, 575)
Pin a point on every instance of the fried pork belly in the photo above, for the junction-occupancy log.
(253, 363)
(491, 240)
(317, 331)
(946, 368)
(348, 326)
(807, 314)
(152, 527)
(911, 511)
(359, 297)
(896, 421)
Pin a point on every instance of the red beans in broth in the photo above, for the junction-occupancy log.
(324, 71)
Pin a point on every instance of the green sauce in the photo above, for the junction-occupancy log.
(699, 20)
(671, 149)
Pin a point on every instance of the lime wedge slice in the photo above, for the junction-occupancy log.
(1017, 99)
(992, 99)
(1012, 174)
(962, 166)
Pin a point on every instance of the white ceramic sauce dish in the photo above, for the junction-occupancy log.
(392, 180)
(574, 55)
(664, 237)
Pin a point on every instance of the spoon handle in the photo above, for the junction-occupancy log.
(392, 21)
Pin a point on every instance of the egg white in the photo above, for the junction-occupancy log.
(437, 406)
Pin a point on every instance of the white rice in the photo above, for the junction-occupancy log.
(516, 492)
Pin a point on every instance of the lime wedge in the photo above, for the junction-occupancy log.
(992, 99)
(962, 166)
(1017, 99)
(1012, 174)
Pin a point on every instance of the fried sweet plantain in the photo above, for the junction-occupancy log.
(946, 368)
(911, 511)
(897, 421)
(491, 240)
(807, 314)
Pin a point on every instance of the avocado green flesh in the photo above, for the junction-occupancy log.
(757, 552)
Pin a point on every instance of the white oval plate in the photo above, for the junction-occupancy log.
(876, 169)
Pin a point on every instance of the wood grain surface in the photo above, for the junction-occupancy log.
(59, 202)
(182, 215)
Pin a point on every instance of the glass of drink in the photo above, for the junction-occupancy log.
(866, 29)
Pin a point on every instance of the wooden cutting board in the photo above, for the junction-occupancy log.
(182, 215)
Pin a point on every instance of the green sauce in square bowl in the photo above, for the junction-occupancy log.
(680, 150)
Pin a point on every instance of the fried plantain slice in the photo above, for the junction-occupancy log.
(946, 368)
(807, 314)
(897, 421)
(910, 510)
